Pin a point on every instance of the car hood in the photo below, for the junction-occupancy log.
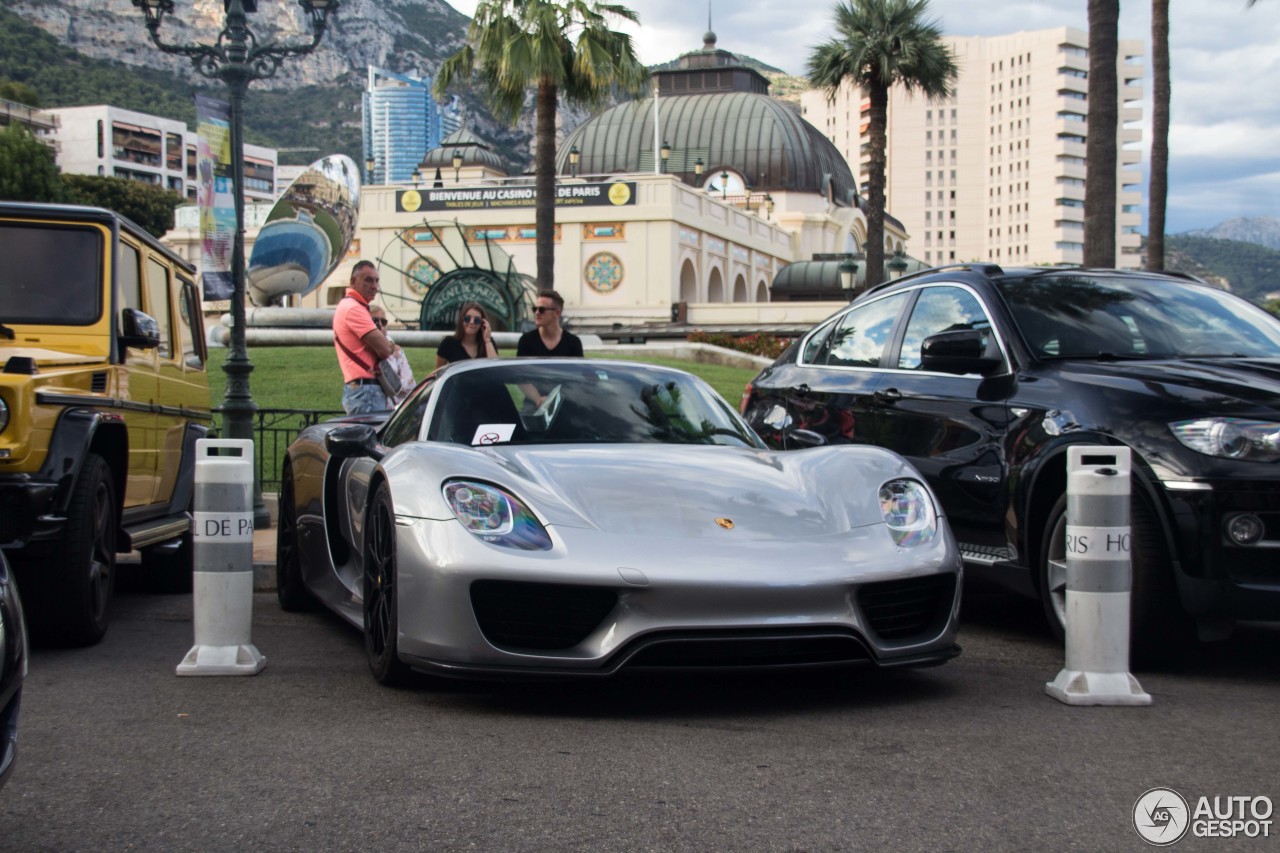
(1223, 386)
(677, 491)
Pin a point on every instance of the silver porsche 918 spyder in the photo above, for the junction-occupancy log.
(547, 517)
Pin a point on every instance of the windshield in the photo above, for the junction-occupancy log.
(581, 401)
(52, 274)
(1090, 316)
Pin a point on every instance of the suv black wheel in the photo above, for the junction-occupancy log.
(290, 590)
(381, 621)
(1159, 628)
(70, 592)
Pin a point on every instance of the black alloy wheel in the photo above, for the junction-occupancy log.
(1160, 629)
(290, 590)
(381, 620)
(69, 593)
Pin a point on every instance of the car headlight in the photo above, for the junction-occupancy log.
(495, 515)
(908, 512)
(1231, 438)
(4, 414)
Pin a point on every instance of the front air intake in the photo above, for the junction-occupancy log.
(539, 616)
(908, 609)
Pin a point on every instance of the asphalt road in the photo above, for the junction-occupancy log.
(118, 753)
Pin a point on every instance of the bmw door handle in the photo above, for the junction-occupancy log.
(887, 397)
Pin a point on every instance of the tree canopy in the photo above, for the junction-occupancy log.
(881, 44)
(28, 171)
(554, 48)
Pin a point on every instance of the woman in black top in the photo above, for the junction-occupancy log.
(472, 337)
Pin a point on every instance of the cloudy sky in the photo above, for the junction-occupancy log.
(1225, 140)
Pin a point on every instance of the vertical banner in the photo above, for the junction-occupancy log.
(214, 196)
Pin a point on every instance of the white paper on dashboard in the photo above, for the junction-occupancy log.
(493, 434)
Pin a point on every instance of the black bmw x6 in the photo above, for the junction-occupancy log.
(983, 377)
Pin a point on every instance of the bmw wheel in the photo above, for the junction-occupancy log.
(381, 621)
(1159, 627)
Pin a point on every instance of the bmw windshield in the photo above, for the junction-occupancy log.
(1099, 316)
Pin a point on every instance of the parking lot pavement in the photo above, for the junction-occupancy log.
(117, 752)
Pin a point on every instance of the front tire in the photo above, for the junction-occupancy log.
(290, 590)
(1159, 628)
(381, 619)
(70, 594)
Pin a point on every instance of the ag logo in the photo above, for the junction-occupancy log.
(1161, 817)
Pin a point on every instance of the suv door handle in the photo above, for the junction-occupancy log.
(888, 396)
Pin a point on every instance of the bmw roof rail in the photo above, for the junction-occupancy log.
(988, 270)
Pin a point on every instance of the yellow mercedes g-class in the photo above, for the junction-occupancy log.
(103, 394)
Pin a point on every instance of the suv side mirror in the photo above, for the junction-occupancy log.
(140, 329)
(355, 441)
(962, 351)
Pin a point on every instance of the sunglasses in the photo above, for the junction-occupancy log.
(542, 309)
(473, 321)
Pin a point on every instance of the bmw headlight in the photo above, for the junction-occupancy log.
(495, 515)
(908, 512)
(1231, 438)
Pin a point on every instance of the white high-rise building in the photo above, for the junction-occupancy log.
(119, 143)
(996, 172)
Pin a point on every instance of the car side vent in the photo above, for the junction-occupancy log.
(901, 610)
(98, 384)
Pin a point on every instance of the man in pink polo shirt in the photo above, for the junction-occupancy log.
(360, 344)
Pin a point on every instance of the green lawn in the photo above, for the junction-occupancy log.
(308, 377)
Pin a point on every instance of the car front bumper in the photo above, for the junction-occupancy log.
(597, 603)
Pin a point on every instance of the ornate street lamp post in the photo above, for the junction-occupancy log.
(457, 165)
(237, 60)
(665, 153)
(369, 165)
(574, 156)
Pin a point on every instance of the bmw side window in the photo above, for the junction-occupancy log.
(940, 309)
(813, 347)
(860, 337)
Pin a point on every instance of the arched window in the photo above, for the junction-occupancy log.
(715, 286)
(688, 282)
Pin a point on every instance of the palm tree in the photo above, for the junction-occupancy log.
(1100, 147)
(881, 44)
(553, 48)
(1158, 186)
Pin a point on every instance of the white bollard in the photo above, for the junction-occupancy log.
(1099, 580)
(222, 536)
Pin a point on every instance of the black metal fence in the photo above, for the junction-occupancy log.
(273, 430)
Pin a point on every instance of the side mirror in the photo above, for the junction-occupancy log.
(140, 330)
(354, 441)
(805, 438)
(960, 352)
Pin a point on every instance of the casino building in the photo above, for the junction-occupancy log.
(683, 206)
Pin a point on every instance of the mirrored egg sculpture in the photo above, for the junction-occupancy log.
(307, 232)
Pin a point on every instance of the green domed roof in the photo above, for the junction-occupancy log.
(758, 137)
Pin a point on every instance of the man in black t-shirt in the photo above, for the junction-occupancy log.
(549, 339)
